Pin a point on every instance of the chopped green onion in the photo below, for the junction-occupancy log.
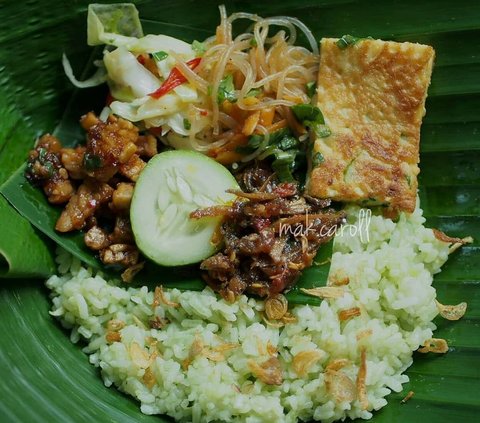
(320, 129)
(226, 90)
(253, 42)
(92, 161)
(186, 124)
(349, 40)
(288, 142)
(312, 117)
(199, 48)
(159, 56)
(254, 92)
(311, 89)
(317, 159)
(283, 165)
(307, 112)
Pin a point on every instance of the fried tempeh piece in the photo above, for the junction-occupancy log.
(372, 95)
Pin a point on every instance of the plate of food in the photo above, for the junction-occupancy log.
(228, 211)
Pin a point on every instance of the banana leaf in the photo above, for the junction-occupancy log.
(46, 378)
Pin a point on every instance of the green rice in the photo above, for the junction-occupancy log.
(390, 280)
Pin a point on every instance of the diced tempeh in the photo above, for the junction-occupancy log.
(372, 95)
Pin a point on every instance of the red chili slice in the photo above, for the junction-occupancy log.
(109, 99)
(175, 79)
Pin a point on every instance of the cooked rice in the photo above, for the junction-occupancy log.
(389, 280)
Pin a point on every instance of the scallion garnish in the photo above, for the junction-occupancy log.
(311, 89)
(317, 159)
(199, 48)
(226, 90)
(254, 92)
(159, 56)
(349, 40)
(311, 117)
(187, 124)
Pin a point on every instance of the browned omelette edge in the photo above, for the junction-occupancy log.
(372, 95)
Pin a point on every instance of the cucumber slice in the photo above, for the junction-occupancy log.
(172, 185)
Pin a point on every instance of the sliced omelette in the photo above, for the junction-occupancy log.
(372, 95)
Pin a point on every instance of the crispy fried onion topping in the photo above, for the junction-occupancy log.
(214, 354)
(269, 372)
(348, 313)
(112, 336)
(363, 334)
(407, 397)
(338, 279)
(361, 380)
(435, 345)
(276, 307)
(304, 360)
(149, 378)
(140, 357)
(115, 324)
(325, 291)
(456, 243)
(159, 298)
(451, 312)
(340, 386)
(338, 363)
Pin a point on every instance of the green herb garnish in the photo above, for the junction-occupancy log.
(311, 89)
(307, 112)
(350, 40)
(284, 164)
(317, 159)
(253, 42)
(321, 130)
(199, 48)
(187, 124)
(285, 150)
(159, 56)
(312, 117)
(226, 90)
(254, 92)
(91, 161)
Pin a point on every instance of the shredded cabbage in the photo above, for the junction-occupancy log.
(130, 82)
(99, 77)
(113, 24)
(130, 79)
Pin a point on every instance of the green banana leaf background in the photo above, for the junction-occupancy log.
(45, 378)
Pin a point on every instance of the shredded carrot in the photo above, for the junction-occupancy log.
(227, 106)
(251, 123)
(250, 101)
(277, 125)
(238, 79)
(237, 114)
(266, 116)
(228, 157)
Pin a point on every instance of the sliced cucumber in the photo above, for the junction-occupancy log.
(171, 186)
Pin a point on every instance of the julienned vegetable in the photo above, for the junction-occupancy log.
(172, 185)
